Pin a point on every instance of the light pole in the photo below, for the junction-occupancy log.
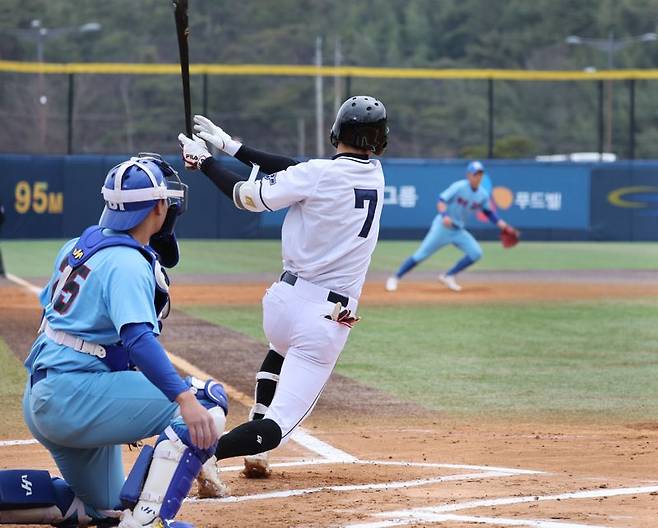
(610, 46)
(40, 35)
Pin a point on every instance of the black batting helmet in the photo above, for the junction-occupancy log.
(361, 123)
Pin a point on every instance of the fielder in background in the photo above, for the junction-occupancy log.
(328, 236)
(84, 398)
(455, 204)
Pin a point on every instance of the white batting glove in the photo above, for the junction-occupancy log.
(214, 135)
(195, 151)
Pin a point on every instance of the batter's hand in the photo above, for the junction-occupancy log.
(195, 151)
(447, 221)
(214, 135)
(203, 431)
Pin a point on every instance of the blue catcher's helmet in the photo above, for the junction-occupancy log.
(133, 187)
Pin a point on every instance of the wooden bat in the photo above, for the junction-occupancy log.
(182, 32)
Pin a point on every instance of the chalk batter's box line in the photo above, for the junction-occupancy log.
(483, 472)
(442, 513)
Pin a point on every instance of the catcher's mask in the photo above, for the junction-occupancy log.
(133, 187)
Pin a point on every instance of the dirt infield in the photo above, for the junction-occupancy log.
(371, 460)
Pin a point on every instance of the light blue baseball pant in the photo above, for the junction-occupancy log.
(439, 236)
(83, 418)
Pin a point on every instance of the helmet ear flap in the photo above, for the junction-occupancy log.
(333, 137)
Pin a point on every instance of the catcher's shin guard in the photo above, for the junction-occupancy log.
(162, 476)
(29, 496)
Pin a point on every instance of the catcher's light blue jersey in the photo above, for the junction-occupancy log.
(462, 200)
(113, 288)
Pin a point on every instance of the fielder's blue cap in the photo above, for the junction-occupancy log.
(475, 166)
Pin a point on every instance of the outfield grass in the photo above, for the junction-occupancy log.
(584, 360)
(34, 258)
(12, 383)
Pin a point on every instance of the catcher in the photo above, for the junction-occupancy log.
(102, 316)
(455, 204)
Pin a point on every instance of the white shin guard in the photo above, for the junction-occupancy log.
(173, 468)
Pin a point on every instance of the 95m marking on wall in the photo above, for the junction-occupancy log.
(36, 198)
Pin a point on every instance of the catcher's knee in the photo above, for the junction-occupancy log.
(162, 476)
(29, 496)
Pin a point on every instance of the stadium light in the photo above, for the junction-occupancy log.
(39, 34)
(610, 45)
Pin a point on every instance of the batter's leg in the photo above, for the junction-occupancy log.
(305, 371)
(267, 378)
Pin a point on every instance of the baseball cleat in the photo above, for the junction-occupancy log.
(210, 485)
(257, 466)
(392, 283)
(450, 282)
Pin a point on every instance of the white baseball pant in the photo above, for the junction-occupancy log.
(294, 322)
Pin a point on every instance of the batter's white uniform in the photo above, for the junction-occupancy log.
(328, 236)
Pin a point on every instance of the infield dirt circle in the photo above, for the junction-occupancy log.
(368, 459)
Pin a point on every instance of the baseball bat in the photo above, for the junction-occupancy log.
(182, 32)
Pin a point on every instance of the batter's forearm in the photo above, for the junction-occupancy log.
(223, 178)
(269, 163)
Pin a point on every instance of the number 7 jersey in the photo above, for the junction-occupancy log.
(332, 224)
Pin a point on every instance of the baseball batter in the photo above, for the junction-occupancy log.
(328, 236)
(84, 398)
(455, 204)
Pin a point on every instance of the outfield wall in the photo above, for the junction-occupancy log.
(57, 196)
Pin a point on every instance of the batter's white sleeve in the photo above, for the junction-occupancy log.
(290, 186)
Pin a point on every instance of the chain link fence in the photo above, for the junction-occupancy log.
(91, 113)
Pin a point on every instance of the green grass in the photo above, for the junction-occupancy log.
(34, 258)
(595, 361)
(12, 383)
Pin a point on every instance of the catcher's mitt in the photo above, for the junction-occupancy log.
(509, 237)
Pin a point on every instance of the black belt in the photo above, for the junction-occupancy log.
(332, 297)
(37, 376)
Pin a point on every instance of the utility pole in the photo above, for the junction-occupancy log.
(338, 80)
(39, 34)
(610, 46)
(319, 108)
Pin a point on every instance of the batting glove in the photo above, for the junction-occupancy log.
(214, 135)
(343, 316)
(195, 151)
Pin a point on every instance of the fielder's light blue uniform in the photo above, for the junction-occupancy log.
(461, 201)
(82, 404)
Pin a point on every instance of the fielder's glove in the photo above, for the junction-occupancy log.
(214, 135)
(195, 151)
(509, 237)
